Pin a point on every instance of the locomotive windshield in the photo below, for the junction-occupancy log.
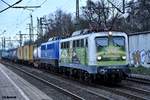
(119, 41)
(110, 50)
(102, 41)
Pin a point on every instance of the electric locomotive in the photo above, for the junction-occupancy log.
(101, 55)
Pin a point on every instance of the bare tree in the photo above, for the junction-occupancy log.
(63, 24)
(139, 15)
(100, 15)
(57, 25)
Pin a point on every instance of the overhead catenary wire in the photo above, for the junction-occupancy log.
(24, 7)
(10, 6)
(43, 2)
(5, 2)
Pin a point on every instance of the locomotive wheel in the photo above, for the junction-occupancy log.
(87, 78)
(60, 71)
(81, 76)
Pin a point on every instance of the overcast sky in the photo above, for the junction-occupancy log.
(13, 20)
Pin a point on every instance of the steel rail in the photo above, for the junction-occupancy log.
(122, 93)
(139, 90)
(138, 80)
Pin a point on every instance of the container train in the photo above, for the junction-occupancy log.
(88, 56)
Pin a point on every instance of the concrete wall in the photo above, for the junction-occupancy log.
(139, 49)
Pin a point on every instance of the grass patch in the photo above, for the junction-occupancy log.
(140, 70)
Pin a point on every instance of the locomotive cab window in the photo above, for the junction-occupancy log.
(62, 45)
(74, 43)
(101, 41)
(65, 45)
(78, 43)
(86, 42)
(82, 42)
(119, 41)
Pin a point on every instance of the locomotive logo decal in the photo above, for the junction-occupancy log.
(75, 55)
(65, 58)
(75, 58)
(79, 56)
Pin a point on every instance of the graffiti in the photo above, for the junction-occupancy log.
(148, 57)
(140, 57)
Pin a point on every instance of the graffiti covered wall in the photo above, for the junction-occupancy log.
(140, 57)
(139, 49)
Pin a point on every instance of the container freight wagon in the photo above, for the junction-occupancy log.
(20, 55)
(27, 54)
(139, 48)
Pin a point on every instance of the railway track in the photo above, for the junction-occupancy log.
(142, 91)
(139, 80)
(121, 91)
(124, 91)
(71, 94)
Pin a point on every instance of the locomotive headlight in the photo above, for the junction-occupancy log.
(110, 33)
(123, 57)
(99, 58)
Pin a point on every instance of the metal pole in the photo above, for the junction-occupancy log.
(31, 28)
(20, 38)
(77, 14)
(77, 10)
(123, 6)
(30, 32)
(4, 43)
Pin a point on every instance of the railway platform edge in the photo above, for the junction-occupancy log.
(14, 87)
